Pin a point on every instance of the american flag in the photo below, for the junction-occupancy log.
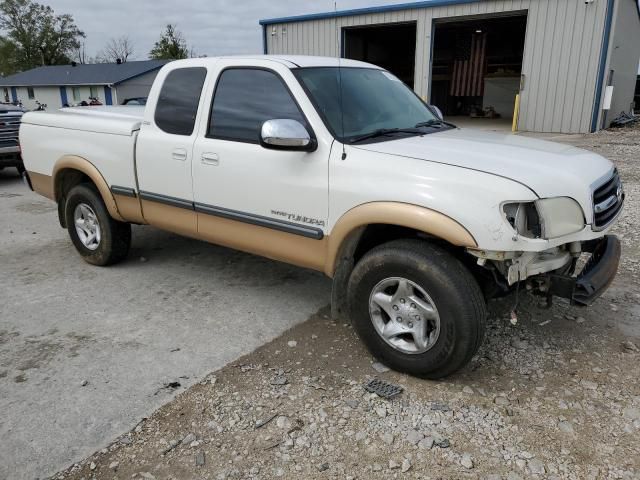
(469, 66)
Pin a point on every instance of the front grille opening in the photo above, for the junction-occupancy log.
(607, 201)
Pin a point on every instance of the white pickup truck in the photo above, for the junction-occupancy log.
(337, 167)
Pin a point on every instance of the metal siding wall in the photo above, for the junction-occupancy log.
(624, 51)
(561, 65)
(562, 50)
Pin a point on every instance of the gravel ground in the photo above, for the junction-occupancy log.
(554, 396)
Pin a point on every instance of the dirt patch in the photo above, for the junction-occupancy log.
(555, 394)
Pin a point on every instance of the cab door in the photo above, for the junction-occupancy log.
(270, 202)
(164, 149)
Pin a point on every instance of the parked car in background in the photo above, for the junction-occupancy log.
(135, 101)
(337, 166)
(10, 116)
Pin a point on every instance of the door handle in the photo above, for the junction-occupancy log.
(179, 154)
(208, 158)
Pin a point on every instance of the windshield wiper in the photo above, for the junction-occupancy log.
(381, 132)
(433, 123)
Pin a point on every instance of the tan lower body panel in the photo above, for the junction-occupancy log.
(266, 242)
(129, 208)
(42, 184)
(173, 219)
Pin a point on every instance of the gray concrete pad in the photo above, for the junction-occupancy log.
(500, 125)
(126, 330)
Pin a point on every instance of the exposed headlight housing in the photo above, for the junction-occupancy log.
(560, 216)
(545, 218)
(524, 219)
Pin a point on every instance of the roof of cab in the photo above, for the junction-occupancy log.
(292, 61)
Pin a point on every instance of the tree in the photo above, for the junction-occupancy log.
(80, 55)
(170, 46)
(117, 48)
(8, 64)
(41, 37)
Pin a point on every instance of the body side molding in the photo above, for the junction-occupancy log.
(243, 217)
(124, 191)
(260, 221)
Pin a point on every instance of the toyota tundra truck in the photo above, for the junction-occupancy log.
(337, 166)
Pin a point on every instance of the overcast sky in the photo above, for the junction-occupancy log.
(211, 27)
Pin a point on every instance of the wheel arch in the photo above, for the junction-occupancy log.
(371, 224)
(352, 227)
(71, 170)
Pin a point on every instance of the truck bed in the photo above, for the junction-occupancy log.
(112, 120)
(106, 136)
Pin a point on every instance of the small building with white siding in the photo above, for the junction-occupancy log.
(573, 63)
(60, 85)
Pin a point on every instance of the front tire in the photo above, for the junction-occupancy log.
(417, 308)
(99, 238)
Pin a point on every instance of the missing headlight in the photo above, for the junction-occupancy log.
(524, 219)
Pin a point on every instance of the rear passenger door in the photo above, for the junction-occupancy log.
(164, 149)
(271, 202)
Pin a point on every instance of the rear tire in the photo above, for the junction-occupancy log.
(417, 308)
(99, 238)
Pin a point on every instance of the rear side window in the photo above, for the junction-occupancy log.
(246, 98)
(178, 102)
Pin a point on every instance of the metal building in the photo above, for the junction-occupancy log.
(573, 62)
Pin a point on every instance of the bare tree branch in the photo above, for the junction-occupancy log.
(117, 48)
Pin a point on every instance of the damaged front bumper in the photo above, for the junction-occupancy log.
(551, 272)
(595, 277)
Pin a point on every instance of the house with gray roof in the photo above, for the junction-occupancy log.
(59, 85)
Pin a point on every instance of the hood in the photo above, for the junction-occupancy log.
(548, 169)
(8, 109)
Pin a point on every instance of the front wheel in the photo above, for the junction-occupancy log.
(99, 238)
(417, 308)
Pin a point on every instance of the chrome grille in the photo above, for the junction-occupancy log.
(608, 199)
(9, 128)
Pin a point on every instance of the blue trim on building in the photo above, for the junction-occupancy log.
(265, 48)
(430, 73)
(604, 53)
(366, 11)
(63, 96)
(14, 94)
(108, 99)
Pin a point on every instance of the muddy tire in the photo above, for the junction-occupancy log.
(99, 238)
(417, 308)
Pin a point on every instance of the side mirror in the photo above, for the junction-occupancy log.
(437, 111)
(286, 134)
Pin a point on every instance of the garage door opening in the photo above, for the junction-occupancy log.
(390, 46)
(476, 69)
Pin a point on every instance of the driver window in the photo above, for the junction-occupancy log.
(244, 99)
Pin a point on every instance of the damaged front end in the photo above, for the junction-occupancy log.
(554, 272)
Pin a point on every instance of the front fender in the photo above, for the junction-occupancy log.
(399, 214)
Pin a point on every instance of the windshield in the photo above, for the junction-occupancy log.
(373, 100)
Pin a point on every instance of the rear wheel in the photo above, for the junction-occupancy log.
(99, 238)
(417, 308)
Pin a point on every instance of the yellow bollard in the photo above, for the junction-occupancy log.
(516, 112)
